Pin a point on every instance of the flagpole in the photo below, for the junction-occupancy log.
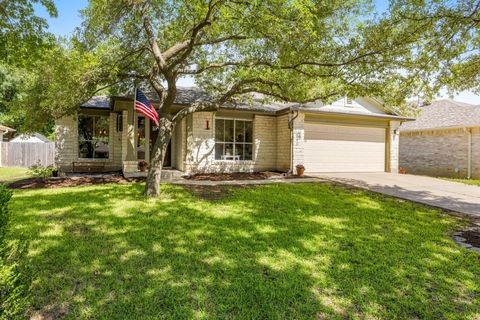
(134, 94)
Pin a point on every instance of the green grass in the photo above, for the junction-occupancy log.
(303, 251)
(9, 175)
(474, 182)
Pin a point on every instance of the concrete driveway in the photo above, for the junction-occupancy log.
(453, 196)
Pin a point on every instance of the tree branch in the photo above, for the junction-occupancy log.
(186, 47)
(157, 54)
(195, 107)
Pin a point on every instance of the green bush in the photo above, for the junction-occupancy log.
(5, 195)
(12, 288)
(39, 171)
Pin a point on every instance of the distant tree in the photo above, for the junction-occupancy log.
(446, 51)
(23, 41)
(22, 33)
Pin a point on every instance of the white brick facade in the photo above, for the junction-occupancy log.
(284, 148)
(66, 145)
(393, 144)
(276, 146)
(66, 142)
(200, 149)
(298, 140)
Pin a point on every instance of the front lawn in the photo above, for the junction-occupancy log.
(297, 251)
(9, 175)
(474, 182)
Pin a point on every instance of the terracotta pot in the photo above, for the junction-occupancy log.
(300, 171)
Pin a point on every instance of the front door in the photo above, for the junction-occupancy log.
(167, 162)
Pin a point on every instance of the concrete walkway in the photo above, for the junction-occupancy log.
(454, 196)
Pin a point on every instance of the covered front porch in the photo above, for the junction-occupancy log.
(138, 137)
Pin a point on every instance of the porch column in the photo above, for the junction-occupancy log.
(393, 147)
(147, 139)
(131, 155)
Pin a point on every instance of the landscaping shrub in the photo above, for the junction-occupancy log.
(5, 195)
(39, 171)
(12, 286)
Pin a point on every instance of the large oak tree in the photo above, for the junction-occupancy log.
(296, 50)
(290, 50)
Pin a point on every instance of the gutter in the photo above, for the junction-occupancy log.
(368, 116)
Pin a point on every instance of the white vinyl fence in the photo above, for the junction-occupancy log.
(27, 154)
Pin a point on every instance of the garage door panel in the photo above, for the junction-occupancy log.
(331, 148)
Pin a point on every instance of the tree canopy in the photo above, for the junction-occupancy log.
(23, 42)
(292, 51)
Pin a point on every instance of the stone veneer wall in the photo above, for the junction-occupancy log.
(200, 148)
(440, 152)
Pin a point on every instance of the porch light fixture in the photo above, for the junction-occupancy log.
(396, 132)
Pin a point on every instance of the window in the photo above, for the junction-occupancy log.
(93, 137)
(348, 101)
(233, 139)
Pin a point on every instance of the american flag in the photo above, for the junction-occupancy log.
(143, 106)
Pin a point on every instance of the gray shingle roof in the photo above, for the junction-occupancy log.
(443, 114)
(97, 102)
(186, 96)
(255, 103)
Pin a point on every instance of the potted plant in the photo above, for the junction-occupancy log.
(142, 165)
(300, 169)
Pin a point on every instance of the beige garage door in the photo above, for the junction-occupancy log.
(333, 148)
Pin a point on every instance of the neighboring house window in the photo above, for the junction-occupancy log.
(233, 139)
(93, 137)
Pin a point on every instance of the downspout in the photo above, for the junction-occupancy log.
(291, 119)
(469, 153)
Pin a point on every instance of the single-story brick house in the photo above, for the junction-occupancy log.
(348, 135)
(444, 141)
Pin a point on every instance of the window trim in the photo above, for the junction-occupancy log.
(234, 142)
(108, 159)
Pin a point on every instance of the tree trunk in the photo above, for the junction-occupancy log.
(154, 176)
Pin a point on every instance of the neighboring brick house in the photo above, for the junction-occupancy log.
(444, 141)
(348, 135)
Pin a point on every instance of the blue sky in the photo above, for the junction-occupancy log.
(69, 18)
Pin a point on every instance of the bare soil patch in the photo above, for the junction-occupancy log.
(212, 193)
(73, 181)
(469, 237)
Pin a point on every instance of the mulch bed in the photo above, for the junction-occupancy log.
(266, 175)
(469, 237)
(38, 183)
(472, 237)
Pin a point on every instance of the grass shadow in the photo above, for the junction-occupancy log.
(270, 252)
